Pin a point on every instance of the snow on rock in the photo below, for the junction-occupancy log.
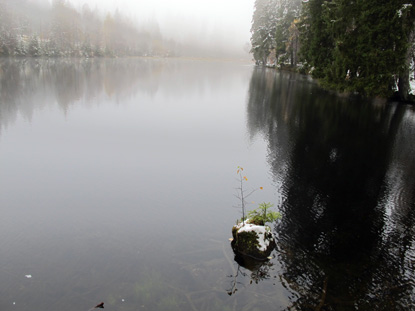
(260, 231)
(252, 240)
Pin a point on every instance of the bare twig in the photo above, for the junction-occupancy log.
(242, 194)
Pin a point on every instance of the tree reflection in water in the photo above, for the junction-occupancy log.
(346, 238)
(256, 271)
(29, 84)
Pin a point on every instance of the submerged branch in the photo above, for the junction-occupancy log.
(323, 295)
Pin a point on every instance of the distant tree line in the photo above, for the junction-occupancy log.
(56, 30)
(350, 46)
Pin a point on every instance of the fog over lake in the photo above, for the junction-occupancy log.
(118, 179)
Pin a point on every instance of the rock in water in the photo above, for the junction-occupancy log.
(253, 240)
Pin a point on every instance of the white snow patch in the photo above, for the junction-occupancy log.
(411, 77)
(404, 7)
(259, 230)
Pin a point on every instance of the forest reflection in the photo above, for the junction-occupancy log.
(27, 84)
(344, 168)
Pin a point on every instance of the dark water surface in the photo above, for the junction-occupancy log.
(117, 183)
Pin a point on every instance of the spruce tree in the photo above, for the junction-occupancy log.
(263, 30)
(406, 15)
(359, 46)
(34, 47)
(316, 40)
(287, 33)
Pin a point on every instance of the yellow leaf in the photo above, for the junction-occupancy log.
(261, 188)
(245, 178)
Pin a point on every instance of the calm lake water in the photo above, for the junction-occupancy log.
(118, 177)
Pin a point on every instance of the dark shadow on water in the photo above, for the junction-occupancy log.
(346, 239)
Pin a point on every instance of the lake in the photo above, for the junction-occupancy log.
(118, 182)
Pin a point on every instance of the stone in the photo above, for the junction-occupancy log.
(252, 240)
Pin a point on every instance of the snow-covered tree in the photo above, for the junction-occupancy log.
(34, 47)
(263, 29)
(287, 32)
(21, 48)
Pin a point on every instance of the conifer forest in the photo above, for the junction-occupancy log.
(352, 46)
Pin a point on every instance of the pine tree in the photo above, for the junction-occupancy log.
(20, 48)
(263, 30)
(406, 15)
(34, 47)
(359, 46)
(316, 40)
(287, 32)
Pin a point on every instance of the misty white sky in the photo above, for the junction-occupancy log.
(225, 20)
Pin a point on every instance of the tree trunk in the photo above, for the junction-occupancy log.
(292, 56)
(296, 51)
(403, 84)
(264, 61)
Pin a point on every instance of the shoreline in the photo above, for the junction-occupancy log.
(395, 98)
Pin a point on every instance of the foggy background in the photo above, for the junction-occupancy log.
(198, 28)
(217, 25)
